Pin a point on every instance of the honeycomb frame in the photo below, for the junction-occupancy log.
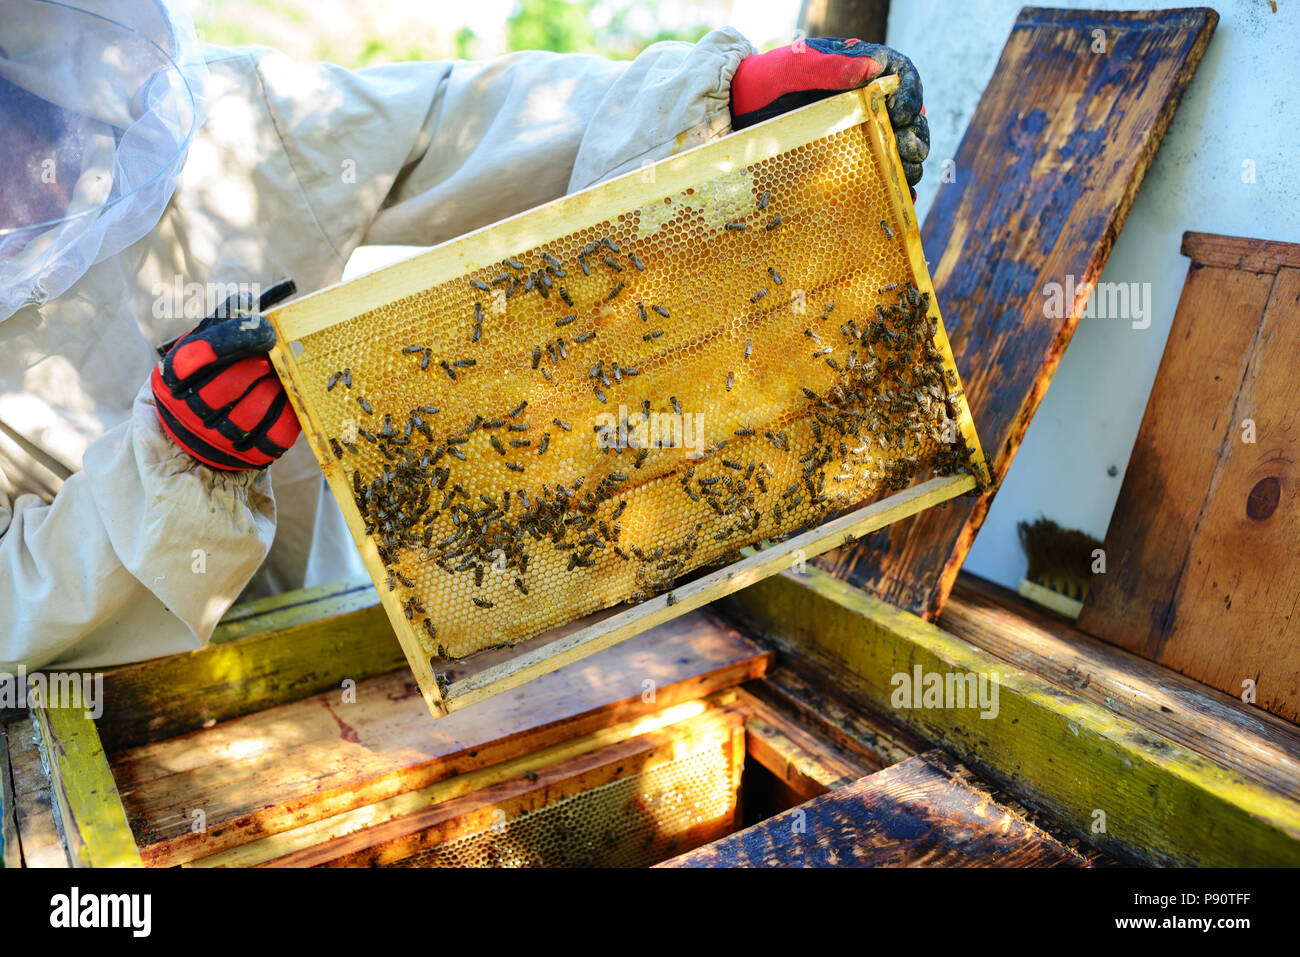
(741, 302)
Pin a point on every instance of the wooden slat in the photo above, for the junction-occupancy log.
(1048, 170)
(263, 654)
(1202, 572)
(393, 841)
(38, 832)
(1055, 750)
(83, 791)
(11, 854)
(927, 811)
(1251, 743)
(286, 766)
(802, 761)
(1240, 252)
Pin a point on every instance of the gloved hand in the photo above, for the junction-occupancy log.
(217, 395)
(768, 84)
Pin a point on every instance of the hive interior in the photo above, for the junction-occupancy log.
(794, 375)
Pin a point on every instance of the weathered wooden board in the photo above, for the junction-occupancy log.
(38, 832)
(286, 766)
(1255, 745)
(1046, 174)
(1202, 570)
(11, 854)
(928, 811)
(1054, 749)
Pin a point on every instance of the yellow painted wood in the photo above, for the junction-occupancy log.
(95, 830)
(1162, 804)
(695, 594)
(263, 654)
(10, 853)
(348, 822)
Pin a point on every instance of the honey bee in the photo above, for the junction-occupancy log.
(334, 379)
(632, 258)
(565, 320)
(660, 310)
(483, 602)
(764, 199)
(884, 227)
(773, 223)
(735, 227)
(585, 336)
(479, 285)
(758, 295)
(613, 293)
(365, 405)
(649, 336)
(776, 276)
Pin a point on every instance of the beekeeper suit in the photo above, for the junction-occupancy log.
(143, 184)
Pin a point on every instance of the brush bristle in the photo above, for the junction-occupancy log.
(1059, 558)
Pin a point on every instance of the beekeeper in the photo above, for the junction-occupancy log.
(146, 178)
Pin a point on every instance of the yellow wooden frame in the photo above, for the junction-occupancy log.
(545, 653)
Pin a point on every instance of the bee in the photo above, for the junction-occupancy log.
(512, 263)
(520, 443)
(560, 348)
(632, 258)
(640, 308)
(447, 369)
(585, 336)
(610, 245)
(744, 432)
(496, 444)
(514, 466)
(424, 359)
(677, 406)
(758, 295)
(537, 355)
(456, 453)
(519, 583)
(631, 370)
(479, 285)
(660, 310)
(599, 395)
(465, 363)
(735, 227)
(652, 335)
(551, 260)
(764, 200)
(611, 263)
(513, 287)
(483, 602)
(517, 410)
(429, 409)
(365, 405)
(565, 320)
(832, 363)
(613, 293)
(889, 288)
(544, 444)
(560, 423)
(731, 380)
(544, 282)
(412, 350)
(550, 351)
(749, 348)
(776, 276)
(433, 633)
(334, 447)
(773, 223)
(694, 496)
(582, 263)
(672, 598)
(564, 294)
(517, 427)
(884, 227)
(334, 379)
(640, 457)
(500, 280)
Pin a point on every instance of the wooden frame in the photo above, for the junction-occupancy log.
(468, 681)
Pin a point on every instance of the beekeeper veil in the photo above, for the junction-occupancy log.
(99, 100)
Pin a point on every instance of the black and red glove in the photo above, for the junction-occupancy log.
(768, 84)
(217, 395)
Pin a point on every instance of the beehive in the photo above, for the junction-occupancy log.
(576, 406)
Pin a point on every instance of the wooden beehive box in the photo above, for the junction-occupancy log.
(571, 410)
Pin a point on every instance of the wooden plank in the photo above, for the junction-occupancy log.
(1202, 573)
(402, 805)
(507, 801)
(263, 654)
(1049, 167)
(11, 854)
(1055, 750)
(803, 762)
(703, 590)
(284, 767)
(1249, 742)
(38, 831)
(1240, 252)
(83, 790)
(864, 19)
(927, 811)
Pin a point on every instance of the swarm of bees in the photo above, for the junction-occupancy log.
(887, 415)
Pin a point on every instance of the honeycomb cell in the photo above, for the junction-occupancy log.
(585, 421)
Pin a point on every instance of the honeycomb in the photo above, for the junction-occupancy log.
(634, 821)
(584, 421)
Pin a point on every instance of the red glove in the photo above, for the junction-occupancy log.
(216, 392)
(768, 84)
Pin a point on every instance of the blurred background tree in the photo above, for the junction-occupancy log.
(385, 31)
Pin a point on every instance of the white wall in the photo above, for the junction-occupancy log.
(1243, 105)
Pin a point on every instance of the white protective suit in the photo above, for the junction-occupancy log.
(115, 545)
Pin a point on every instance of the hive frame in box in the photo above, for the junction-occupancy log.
(498, 670)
